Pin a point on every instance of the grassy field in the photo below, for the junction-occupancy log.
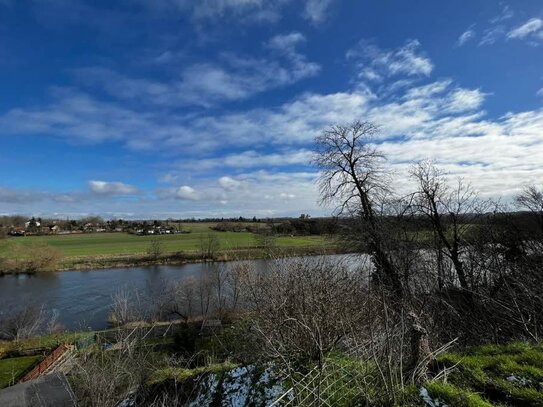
(99, 244)
(11, 370)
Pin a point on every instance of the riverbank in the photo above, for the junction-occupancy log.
(83, 263)
(125, 261)
(34, 254)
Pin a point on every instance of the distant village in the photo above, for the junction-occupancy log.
(18, 226)
(40, 227)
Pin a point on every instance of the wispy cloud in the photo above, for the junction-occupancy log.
(316, 10)
(466, 36)
(242, 160)
(531, 30)
(530, 27)
(232, 77)
(505, 14)
(253, 11)
(491, 35)
(374, 62)
(20, 196)
(422, 118)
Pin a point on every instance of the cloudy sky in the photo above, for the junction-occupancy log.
(180, 108)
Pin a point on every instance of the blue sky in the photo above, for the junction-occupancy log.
(180, 108)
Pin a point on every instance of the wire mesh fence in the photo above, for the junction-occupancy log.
(338, 382)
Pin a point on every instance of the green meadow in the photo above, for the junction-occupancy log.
(110, 244)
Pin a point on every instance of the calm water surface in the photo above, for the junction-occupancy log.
(83, 299)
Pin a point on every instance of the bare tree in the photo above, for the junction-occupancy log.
(26, 322)
(450, 208)
(531, 199)
(204, 292)
(267, 241)
(209, 245)
(235, 278)
(353, 174)
(127, 307)
(155, 249)
(218, 278)
(178, 298)
(304, 308)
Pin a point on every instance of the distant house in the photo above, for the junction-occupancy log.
(45, 230)
(17, 232)
(31, 223)
(55, 229)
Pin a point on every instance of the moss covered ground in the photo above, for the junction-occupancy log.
(492, 375)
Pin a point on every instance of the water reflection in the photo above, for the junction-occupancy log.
(83, 298)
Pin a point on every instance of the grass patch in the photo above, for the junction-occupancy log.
(47, 343)
(12, 370)
(508, 374)
(110, 244)
(455, 396)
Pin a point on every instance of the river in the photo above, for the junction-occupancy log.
(82, 299)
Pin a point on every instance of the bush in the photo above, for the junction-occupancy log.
(30, 259)
(41, 257)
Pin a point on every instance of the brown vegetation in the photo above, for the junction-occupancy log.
(30, 259)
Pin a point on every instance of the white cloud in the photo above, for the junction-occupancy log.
(78, 117)
(498, 157)
(168, 178)
(540, 92)
(286, 43)
(419, 119)
(233, 77)
(466, 36)
(530, 27)
(111, 188)
(462, 100)
(287, 196)
(245, 159)
(261, 193)
(230, 184)
(374, 62)
(187, 193)
(316, 10)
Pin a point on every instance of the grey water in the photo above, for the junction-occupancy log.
(82, 299)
